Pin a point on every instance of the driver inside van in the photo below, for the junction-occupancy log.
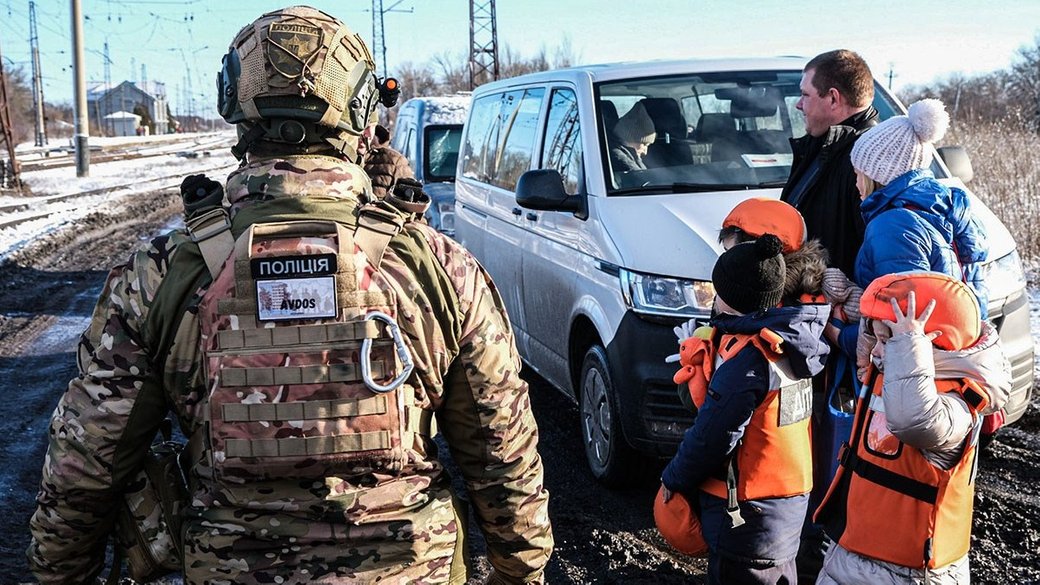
(633, 135)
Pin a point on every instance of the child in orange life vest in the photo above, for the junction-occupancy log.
(746, 461)
(900, 507)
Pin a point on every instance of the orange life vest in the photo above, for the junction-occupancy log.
(774, 458)
(887, 502)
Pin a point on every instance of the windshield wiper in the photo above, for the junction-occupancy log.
(682, 188)
(701, 187)
(771, 184)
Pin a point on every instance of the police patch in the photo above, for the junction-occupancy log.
(291, 46)
(293, 266)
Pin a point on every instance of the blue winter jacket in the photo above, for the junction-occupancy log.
(917, 223)
(736, 389)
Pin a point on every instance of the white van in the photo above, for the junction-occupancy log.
(427, 133)
(596, 266)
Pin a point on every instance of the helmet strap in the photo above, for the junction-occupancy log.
(249, 137)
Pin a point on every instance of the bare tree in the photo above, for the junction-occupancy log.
(454, 75)
(1025, 83)
(983, 98)
(20, 103)
(416, 80)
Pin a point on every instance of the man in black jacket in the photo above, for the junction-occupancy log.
(837, 90)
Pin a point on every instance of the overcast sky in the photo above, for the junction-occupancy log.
(180, 42)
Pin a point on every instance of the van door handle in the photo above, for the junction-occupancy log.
(516, 211)
(532, 216)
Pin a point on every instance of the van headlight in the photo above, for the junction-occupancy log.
(1004, 275)
(667, 297)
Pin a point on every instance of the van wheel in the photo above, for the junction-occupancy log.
(612, 460)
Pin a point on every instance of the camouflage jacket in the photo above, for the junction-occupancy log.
(392, 527)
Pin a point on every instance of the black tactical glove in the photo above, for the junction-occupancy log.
(410, 190)
(199, 192)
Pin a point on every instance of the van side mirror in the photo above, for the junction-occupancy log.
(543, 190)
(956, 159)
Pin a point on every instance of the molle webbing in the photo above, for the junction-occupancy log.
(305, 409)
(283, 375)
(300, 334)
(302, 446)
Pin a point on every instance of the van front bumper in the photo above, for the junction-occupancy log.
(652, 417)
(1011, 318)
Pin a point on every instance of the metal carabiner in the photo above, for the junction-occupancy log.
(402, 354)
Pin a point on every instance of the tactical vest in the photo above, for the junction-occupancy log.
(307, 372)
(889, 503)
(773, 459)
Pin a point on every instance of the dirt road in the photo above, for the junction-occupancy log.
(47, 291)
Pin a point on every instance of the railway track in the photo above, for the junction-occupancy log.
(164, 183)
(129, 151)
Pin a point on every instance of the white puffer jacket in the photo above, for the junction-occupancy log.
(938, 424)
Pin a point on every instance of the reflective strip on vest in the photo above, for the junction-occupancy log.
(923, 512)
(304, 409)
(235, 377)
(299, 446)
(276, 336)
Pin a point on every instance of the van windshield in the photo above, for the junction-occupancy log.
(442, 152)
(703, 132)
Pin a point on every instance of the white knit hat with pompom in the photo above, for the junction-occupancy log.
(901, 143)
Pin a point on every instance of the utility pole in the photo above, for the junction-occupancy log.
(80, 89)
(483, 42)
(34, 44)
(108, 90)
(191, 100)
(891, 74)
(9, 171)
(378, 32)
(378, 41)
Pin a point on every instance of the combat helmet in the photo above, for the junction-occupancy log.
(299, 80)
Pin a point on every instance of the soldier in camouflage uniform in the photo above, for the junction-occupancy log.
(145, 354)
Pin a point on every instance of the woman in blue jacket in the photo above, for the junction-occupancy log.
(913, 221)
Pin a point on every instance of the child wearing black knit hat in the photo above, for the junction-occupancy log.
(749, 277)
(745, 466)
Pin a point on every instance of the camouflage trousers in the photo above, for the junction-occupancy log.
(424, 545)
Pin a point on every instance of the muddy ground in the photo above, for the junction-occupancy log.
(46, 294)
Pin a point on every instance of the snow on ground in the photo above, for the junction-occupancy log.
(137, 175)
(28, 148)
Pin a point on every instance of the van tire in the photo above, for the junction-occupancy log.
(612, 461)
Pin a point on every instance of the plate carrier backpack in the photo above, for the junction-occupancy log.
(304, 362)
(306, 369)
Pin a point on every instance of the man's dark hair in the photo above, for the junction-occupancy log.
(382, 134)
(845, 71)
